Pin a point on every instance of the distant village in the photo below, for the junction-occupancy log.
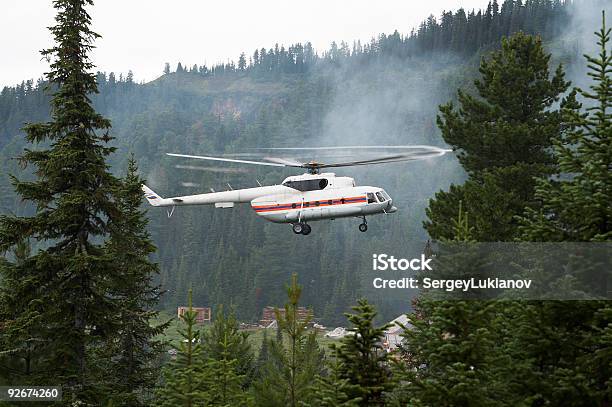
(268, 320)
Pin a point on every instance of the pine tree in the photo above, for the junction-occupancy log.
(578, 209)
(570, 349)
(185, 379)
(263, 356)
(224, 337)
(449, 351)
(134, 349)
(20, 344)
(331, 390)
(363, 360)
(242, 63)
(225, 386)
(503, 139)
(64, 288)
(291, 369)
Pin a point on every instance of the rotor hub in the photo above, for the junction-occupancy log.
(313, 167)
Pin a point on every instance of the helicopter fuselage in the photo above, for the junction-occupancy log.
(298, 200)
(297, 206)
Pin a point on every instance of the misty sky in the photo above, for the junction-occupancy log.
(142, 35)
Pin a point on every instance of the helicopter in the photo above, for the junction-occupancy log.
(312, 196)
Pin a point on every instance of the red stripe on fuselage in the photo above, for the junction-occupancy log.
(289, 206)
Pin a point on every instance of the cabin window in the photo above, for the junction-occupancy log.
(307, 185)
(317, 203)
(293, 205)
(306, 204)
(329, 202)
(371, 198)
(342, 201)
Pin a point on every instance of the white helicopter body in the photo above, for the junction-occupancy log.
(299, 199)
(308, 197)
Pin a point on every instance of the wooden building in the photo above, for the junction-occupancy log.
(269, 316)
(204, 314)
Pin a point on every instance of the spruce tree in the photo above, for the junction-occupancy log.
(134, 349)
(578, 209)
(63, 288)
(224, 385)
(331, 390)
(449, 356)
(224, 337)
(263, 356)
(568, 343)
(20, 344)
(242, 63)
(185, 379)
(363, 361)
(503, 138)
(291, 368)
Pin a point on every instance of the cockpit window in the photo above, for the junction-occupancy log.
(380, 197)
(385, 194)
(371, 198)
(307, 185)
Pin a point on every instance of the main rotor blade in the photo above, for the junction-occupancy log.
(380, 160)
(228, 170)
(231, 160)
(285, 161)
(410, 156)
(394, 154)
(424, 147)
(409, 153)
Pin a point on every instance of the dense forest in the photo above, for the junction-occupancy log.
(86, 268)
(384, 92)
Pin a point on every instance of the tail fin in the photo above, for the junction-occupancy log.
(151, 196)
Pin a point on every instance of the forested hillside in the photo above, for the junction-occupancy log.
(383, 92)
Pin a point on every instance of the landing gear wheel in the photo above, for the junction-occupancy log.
(298, 228)
(363, 227)
(306, 229)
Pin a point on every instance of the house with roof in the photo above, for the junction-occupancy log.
(393, 334)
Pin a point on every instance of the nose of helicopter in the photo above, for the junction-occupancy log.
(392, 209)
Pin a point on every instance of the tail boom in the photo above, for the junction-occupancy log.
(215, 198)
